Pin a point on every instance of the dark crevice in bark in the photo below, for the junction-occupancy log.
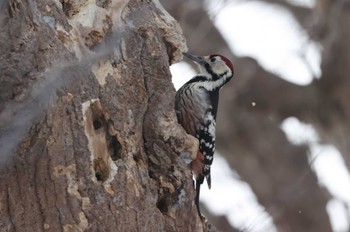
(19, 192)
(37, 194)
(114, 147)
(10, 216)
(66, 7)
(162, 205)
(55, 192)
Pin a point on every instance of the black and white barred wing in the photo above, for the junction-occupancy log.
(207, 143)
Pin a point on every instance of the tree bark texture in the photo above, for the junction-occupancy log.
(89, 139)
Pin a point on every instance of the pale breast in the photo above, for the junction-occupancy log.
(192, 102)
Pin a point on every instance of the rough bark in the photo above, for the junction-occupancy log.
(88, 135)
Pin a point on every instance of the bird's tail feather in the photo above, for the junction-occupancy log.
(199, 181)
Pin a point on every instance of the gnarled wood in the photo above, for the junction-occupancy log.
(88, 135)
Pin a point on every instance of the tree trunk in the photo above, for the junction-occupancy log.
(88, 135)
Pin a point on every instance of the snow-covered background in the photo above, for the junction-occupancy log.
(276, 40)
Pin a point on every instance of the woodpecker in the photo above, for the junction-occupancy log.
(196, 105)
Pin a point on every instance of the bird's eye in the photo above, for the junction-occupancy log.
(213, 59)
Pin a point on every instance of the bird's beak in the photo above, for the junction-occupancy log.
(199, 59)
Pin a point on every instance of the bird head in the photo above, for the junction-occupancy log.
(217, 66)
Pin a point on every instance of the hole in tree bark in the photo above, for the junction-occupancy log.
(162, 205)
(98, 117)
(101, 169)
(136, 157)
(114, 148)
(97, 124)
(98, 176)
(105, 141)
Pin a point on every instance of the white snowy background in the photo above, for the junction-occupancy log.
(274, 38)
